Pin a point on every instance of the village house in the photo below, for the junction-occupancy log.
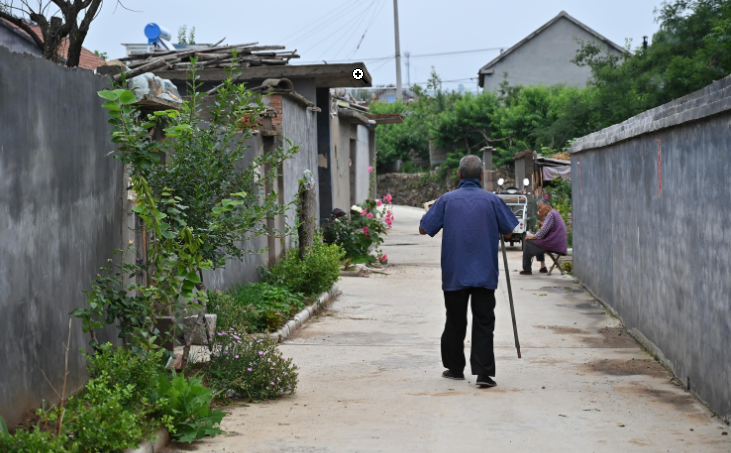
(17, 40)
(345, 139)
(545, 56)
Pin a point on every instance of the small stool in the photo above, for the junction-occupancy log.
(555, 256)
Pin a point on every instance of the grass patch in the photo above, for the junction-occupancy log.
(255, 307)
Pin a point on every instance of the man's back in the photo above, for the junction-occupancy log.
(471, 218)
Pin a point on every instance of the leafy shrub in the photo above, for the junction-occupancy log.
(312, 275)
(189, 408)
(101, 420)
(125, 368)
(36, 441)
(255, 307)
(251, 366)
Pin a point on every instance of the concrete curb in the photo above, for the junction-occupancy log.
(161, 440)
(300, 318)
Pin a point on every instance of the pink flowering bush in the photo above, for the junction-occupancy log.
(361, 236)
(249, 366)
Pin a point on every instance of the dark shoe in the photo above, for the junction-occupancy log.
(526, 272)
(544, 270)
(452, 375)
(485, 381)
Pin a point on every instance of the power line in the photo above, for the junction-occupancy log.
(347, 24)
(363, 18)
(388, 60)
(368, 27)
(325, 17)
(448, 81)
(458, 52)
(346, 17)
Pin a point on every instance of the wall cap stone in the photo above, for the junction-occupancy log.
(711, 100)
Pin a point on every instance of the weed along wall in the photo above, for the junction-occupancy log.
(651, 232)
(60, 218)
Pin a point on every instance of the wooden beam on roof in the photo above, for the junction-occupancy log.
(325, 75)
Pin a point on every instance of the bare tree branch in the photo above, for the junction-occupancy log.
(20, 23)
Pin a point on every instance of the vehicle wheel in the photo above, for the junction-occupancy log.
(522, 244)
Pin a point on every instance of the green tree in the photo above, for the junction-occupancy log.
(394, 141)
(689, 51)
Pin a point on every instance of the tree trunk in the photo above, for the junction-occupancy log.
(306, 214)
(76, 39)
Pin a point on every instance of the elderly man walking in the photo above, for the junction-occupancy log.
(472, 219)
(551, 237)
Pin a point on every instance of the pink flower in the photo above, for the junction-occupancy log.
(370, 169)
(237, 357)
(272, 383)
(389, 197)
(384, 258)
(248, 369)
(379, 203)
(365, 230)
(261, 352)
(365, 211)
(370, 216)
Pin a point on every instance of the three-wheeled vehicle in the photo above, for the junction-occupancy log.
(517, 203)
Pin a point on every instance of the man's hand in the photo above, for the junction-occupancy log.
(421, 231)
(508, 236)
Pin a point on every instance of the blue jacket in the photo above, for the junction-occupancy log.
(471, 219)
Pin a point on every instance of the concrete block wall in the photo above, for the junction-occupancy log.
(63, 210)
(61, 216)
(651, 233)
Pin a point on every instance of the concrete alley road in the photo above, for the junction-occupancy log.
(370, 375)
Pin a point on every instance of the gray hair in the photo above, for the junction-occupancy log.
(470, 167)
(545, 201)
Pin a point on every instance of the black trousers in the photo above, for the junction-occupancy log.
(482, 357)
(530, 249)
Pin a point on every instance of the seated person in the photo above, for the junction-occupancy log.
(552, 237)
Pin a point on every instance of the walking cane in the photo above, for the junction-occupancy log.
(510, 295)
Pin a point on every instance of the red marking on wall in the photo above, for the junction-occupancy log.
(659, 165)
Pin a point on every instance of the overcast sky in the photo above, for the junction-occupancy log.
(330, 30)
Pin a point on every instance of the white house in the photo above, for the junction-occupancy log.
(544, 57)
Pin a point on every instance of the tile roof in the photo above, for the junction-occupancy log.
(87, 60)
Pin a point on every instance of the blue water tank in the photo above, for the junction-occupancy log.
(156, 33)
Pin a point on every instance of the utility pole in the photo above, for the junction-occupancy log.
(399, 92)
(408, 69)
